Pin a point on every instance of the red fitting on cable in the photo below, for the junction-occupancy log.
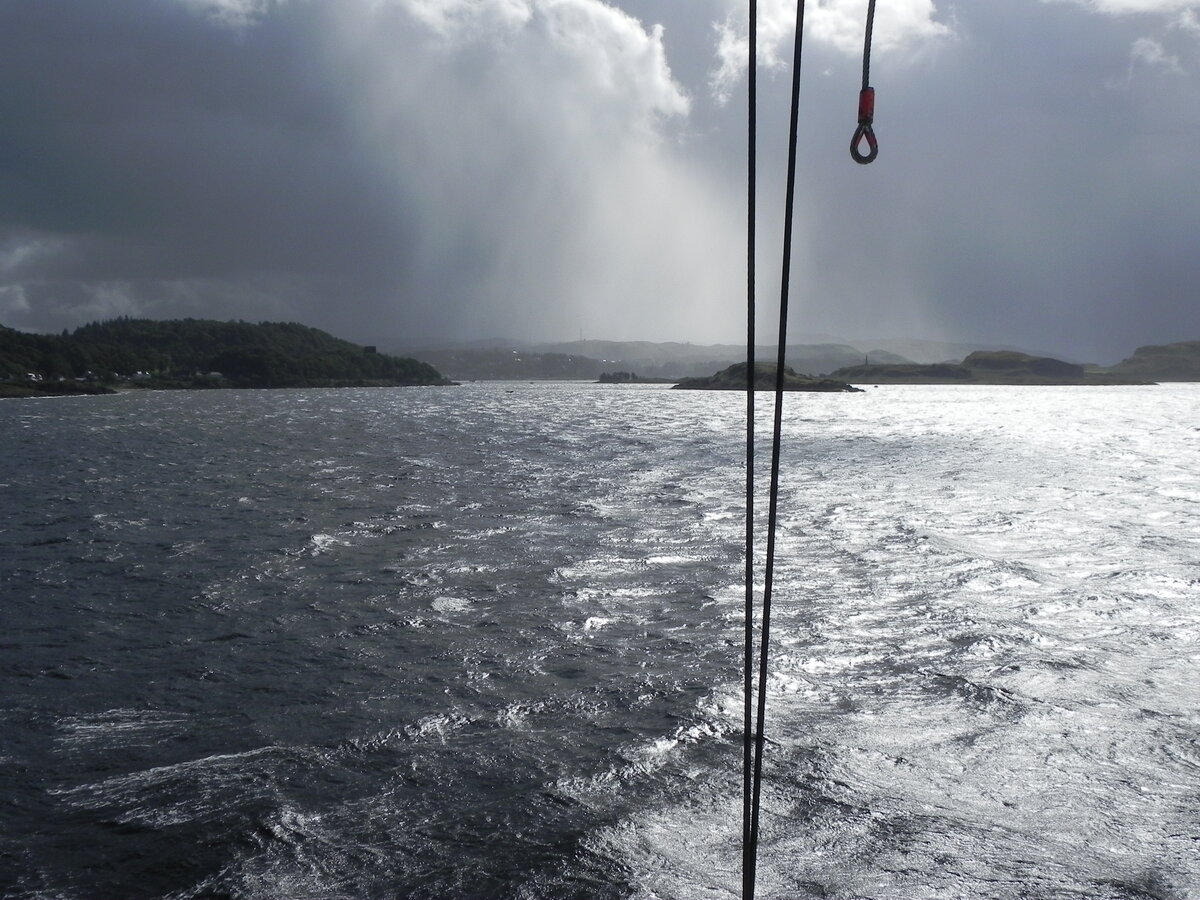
(866, 118)
(866, 106)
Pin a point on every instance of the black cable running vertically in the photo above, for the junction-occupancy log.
(748, 658)
(755, 723)
(751, 851)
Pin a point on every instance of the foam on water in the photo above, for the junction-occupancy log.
(449, 605)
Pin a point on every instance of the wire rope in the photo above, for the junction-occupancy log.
(755, 781)
(866, 79)
(748, 659)
(755, 693)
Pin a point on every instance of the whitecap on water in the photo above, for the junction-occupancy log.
(199, 789)
(117, 728)
(321, 543)
(666, 560)
(436, 727)
(450, 605)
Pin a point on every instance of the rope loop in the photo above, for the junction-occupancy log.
(864, 131)
(866, 101)
(866, 119)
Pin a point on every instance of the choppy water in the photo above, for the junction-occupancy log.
(485, 642)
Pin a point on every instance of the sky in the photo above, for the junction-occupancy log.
(418, 171)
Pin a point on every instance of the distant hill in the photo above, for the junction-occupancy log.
(986, 367)
(511, 364)
(929, 352)
(201, 352)
(1162, 362)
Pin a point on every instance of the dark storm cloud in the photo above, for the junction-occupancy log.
(422, 169)
(145, 145)
(445, 168)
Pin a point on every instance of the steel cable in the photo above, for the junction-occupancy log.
(751, 835)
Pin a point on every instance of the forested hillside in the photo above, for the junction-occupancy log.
(185, 352)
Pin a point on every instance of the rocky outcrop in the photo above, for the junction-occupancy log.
(1162, 362)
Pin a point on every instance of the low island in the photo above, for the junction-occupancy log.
(990, 367)
(631, 378)
(733, 378)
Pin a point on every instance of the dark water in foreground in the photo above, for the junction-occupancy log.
(485, 641)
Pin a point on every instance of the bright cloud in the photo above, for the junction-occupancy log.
(238, 13)
(454, 17)
(838, 23)
(555, 175)
(614, 46)
(1149, 52)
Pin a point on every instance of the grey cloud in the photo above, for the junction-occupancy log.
(1019, 196)
(154, 146)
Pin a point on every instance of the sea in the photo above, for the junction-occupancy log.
(486, 641)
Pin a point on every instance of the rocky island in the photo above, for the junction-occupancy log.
(1162, 362)
(733, 378)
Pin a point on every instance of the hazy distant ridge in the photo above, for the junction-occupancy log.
(908, 360)
(669, 360)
